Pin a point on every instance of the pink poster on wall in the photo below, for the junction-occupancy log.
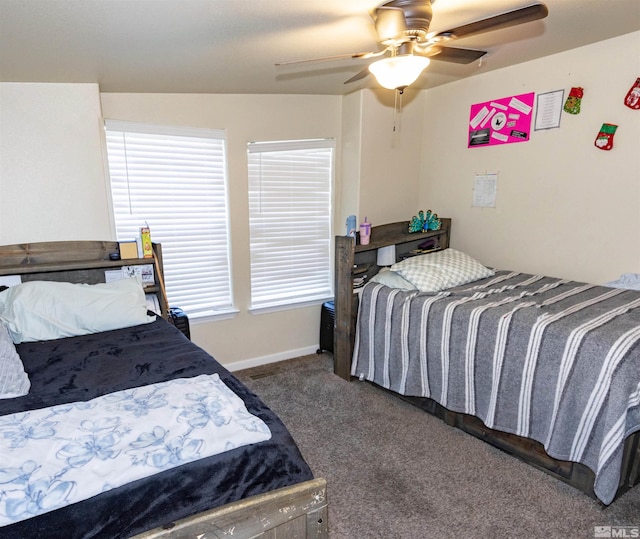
(501, 121)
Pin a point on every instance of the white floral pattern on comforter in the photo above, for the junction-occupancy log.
(63, 454)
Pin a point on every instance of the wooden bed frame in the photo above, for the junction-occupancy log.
(350, 255)
(573, 473)
(297, 511)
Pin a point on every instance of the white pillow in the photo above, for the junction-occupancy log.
(14, 382)
(437, 271)
(392, 279)
(44, 310)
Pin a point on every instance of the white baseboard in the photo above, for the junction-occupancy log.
(273, 358)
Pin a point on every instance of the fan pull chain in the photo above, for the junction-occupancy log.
(397, 110)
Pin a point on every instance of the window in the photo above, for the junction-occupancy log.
(175, 180)
(290, 221)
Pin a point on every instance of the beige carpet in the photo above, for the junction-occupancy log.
(394, 471)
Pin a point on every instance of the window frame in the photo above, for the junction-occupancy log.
(328, 293)
(228, 310)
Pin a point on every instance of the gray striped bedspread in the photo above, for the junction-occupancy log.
(553, 360)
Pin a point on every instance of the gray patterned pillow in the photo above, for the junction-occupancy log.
(437, 271)
(14, 382)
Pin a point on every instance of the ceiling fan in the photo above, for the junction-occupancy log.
(406, 45)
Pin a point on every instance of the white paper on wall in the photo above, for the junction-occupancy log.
(484, 190)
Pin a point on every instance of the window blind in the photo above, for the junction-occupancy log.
(290, 219)
(175, 180)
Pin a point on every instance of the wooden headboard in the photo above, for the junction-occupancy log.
(77, 262)
(350, 255)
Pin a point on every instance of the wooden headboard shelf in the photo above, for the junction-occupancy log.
(398, 234)
(349, 253)
(76, 262)
(40, 267)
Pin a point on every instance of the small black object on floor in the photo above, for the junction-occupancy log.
(327, 320)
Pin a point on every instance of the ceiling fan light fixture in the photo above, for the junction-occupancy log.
(398, 72)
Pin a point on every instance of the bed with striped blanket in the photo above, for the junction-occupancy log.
(546, 359)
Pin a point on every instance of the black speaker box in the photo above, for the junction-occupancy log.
(327, 320)
(180, 319)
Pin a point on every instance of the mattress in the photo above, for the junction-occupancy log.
(548, 359)
(82, 368)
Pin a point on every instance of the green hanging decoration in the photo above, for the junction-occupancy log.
(574, 101)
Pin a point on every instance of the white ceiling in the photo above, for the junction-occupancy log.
(232, 46)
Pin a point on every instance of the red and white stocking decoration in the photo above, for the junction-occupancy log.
(604, 140)
(632, 100)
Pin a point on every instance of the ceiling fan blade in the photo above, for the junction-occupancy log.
(359, 76)
(452, 54)
(530, 13)
(390, 24)
(354, 55)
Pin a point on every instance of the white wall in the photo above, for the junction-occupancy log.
(564, 207)
(390, 176)
(348, 199)
(53, 184)
(51, 167)
(248, 338)
(381, 155)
